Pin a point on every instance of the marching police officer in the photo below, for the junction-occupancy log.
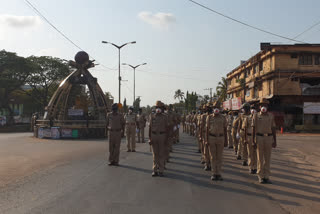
(115, 124)
(131, 123)
(242, 130)
(264, 138)
(229, 129)
(216, 131)
(158, 136)
(235, 138)
(141, 126)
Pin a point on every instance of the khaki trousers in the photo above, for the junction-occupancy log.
(131, 137)
(252, 154)
(216, 145)
(243, 146)
(114, 146)
(206, 151)
(141, 135)
(235, 141)
(230, 140)
(159, 151)
(264, 147)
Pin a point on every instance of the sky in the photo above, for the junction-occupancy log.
(185, 46)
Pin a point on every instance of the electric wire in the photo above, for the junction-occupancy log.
(308, 29)
(60, 32)
(243, 23)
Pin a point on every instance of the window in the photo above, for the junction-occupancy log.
(317, 59)
(260, 66)
(238, 94)
(256, 69)
(247, 92)
(246, 73)
(305, 59)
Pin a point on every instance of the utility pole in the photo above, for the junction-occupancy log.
(119, 48)
(209, 89)
(134, 78)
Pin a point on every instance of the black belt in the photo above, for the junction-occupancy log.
(264, 135)
(158, 132)
(213, 135)
(249, 134)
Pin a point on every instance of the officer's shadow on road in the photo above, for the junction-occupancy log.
(194, 179)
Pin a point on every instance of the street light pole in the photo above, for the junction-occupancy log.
(134, 78)
(119, 48)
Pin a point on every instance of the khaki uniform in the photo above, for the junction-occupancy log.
(183, 120)
(229, 130)
(243, 138)
(115, 123)
(171, 124)
(188, 124)
(158, 134)
(215, 126)
(141, 126)
(252, 152)
(263, 124)
(204, 140)
(235, 125)
(198, 132)
(131, 121)
(176, 132)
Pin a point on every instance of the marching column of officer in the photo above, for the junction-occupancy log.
(252, 135)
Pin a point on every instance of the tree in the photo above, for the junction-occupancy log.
(191, 101)
(45, 77)
(14, 71)
(221, 89)
(178, 95)
(136, 103)
(206, 98)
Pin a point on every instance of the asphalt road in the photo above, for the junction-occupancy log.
(89, 185)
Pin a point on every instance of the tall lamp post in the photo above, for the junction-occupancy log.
(119, 47)
(134, 78)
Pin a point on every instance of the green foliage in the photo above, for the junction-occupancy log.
(191, 101)
(179, 95)
(45, 77)
(221, 90)
(136, 104)
(14, 71)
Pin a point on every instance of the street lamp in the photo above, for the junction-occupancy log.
(134, 78)
(119, 47)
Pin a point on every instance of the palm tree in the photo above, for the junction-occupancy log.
(178, 95)
(221, 89)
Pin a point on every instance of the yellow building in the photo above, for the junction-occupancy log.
(287, 75)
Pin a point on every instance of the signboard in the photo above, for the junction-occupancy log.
(75, 112)
(311, 108)
(236, 103)
(55, 133)
(44, 133)
(227, 105)
(67, 133)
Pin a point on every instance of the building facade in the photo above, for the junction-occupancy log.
(288, 76)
